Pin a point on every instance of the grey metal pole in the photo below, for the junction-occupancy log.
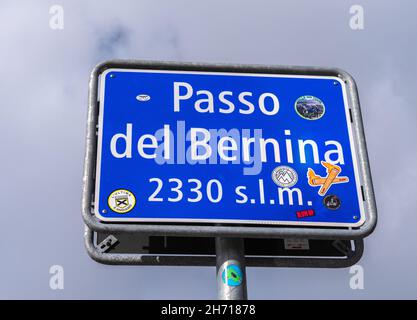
(230, 267)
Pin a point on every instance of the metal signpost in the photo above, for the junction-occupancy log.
(228, 152)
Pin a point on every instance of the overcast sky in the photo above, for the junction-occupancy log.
(43, 91)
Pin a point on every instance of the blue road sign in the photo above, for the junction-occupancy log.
(222, 147)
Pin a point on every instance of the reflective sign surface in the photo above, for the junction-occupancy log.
(226, 147)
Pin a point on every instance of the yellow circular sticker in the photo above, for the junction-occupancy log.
(121, 201)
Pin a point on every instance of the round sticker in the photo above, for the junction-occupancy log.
(232, 275)
(332, 202)
(121, 201)
(309, 107)
(284, 176)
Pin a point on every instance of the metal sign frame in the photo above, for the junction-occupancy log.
(224, 230)
(207, 260)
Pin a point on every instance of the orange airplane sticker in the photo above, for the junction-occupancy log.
(325, 183)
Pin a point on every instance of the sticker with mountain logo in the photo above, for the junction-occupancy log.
(284, 176)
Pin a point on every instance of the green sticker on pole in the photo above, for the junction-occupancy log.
(232, 275)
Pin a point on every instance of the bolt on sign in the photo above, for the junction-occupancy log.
(247, 145)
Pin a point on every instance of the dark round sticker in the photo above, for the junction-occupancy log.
(332, 202)
(309, 107)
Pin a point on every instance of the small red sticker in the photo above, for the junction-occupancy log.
(305, 213)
